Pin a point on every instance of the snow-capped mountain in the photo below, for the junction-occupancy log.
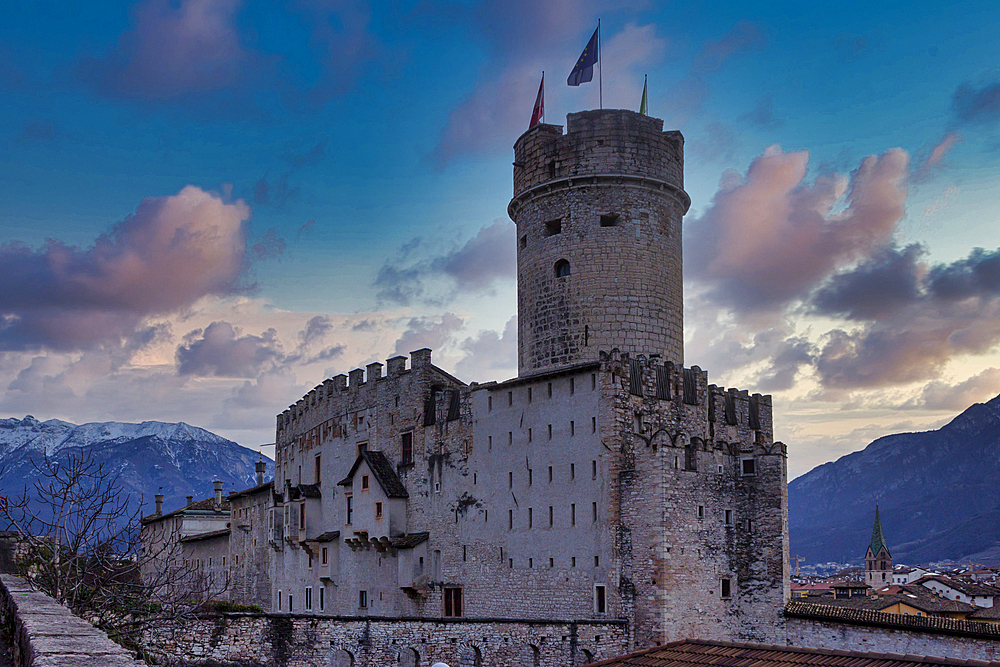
(176, 460)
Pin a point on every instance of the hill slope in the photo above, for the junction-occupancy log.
(938, 492)
(176, 459)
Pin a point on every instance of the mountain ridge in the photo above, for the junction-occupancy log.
(173, 458)
(934, 488)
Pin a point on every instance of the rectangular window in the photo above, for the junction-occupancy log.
(322, 590)
(489, 404)
(309, 598)
(550, 474)
(572, 471)
(364, 482)
(729, 517)
(530, 476)
(291, 602)
(279, 600)
(550, 516)
(406, 443)
(310, 561)
(701, 511)
(531, 563)
(593, 424)
(550, 431)
(378, 510)
(600, 603)
(350, 509)
(529, 435)
(572, 514)
(490, 441)
(510, 519)
(529, 394)
(510, 480)
(593, 381)
(572, 561)
(749, 467)
(465, 553)
(597, 561)
(452, 602)
(325, 555)
(316, 478)
(572, 386)
(510, 437)
(530, 519)
(572, 428)
(302, 516)
(510, 563)
(363, 599)
(594, 508)
(593, 470)
(550, 390)
(510, 398)
(727, 588)
(552, 563)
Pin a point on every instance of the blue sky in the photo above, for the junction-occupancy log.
(208, 206)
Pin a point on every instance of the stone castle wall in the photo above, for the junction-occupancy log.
(598, 213)
(259, 640)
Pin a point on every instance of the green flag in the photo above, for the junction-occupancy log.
(642, 105)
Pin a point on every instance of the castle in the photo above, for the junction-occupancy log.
(606, 483)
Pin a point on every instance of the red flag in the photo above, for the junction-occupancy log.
(538, 113)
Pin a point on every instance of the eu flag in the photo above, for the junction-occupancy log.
(584, 70)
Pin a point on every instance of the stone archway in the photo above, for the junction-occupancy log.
(340, 658)
(408, 657)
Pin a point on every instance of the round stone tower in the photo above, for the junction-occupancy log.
(598, 213)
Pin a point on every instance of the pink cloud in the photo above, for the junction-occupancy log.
(169, 253)
(173, 51)
(769, 237)
(937, 155)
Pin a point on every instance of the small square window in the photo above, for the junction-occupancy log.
(610, 220)
(748, 467)
(553, 227)
(701, 511)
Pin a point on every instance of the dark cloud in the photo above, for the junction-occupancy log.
(487, 257)
(316, 328)
(429, 332)
(978, 275)
(769, 238)
(276, 194)
(309, 158)
(219, 350)
(976, 106)
(169, 253)
(784, 365)
(269, 246)
(939, 395)
(718, 142)
(880, 285)
(744, 37)
(762, 115)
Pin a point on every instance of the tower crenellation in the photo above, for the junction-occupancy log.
(598, 212)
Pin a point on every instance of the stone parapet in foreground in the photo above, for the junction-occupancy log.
(47, 634)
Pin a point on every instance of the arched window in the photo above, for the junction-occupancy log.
(562, 268)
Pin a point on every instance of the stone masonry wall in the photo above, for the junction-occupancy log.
(607, 198)
(815, 633)
(47, 634)
(253, 640)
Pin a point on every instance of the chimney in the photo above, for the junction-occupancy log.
(159, 504)
(190, 499)
(261, 467)
(218, 492)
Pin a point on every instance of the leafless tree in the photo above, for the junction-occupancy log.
(79, 542)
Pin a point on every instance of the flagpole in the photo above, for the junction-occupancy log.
(543, 96)
(600, 65)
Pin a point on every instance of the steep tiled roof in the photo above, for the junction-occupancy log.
(963, 586)
(201, 505)
(383, 472)
(936, 624)
(205, 536)
(986, 613)
(915, 596)
(329, 536)
(310, 491)
(409, 541)
(700, 653)
(878, 539)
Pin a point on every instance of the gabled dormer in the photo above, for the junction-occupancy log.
(374, 502)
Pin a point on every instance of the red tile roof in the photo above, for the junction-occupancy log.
(700, 653)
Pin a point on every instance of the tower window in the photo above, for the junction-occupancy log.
(562, 268)
(553, 227)
(610, 220)
(524, 242)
